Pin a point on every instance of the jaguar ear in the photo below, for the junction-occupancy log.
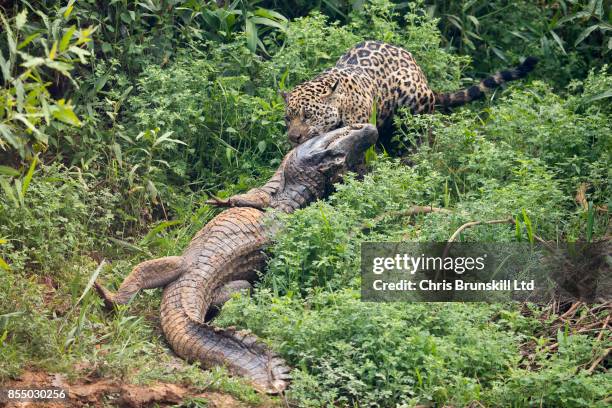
(285, 95)
(332, 89)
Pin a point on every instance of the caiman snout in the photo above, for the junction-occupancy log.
(354, 139)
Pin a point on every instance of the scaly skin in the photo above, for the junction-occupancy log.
(227, 252)
(227, 249)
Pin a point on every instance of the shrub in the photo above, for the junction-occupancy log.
(35, 57)
(55, 222)
(569, 37)
(350, 353)
(225, 128)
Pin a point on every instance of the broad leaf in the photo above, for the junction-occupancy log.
(251, 34)
(583, 35)
(65, 113)
(65, 41)
(28, 177)
(21, 19)
(603, 95)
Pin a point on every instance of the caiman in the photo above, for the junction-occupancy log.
(226, 254)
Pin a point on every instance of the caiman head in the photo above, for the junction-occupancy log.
(311, 168)
(336, 152)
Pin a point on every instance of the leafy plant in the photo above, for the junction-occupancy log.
(256, 23)
(33, 58)
(569, 36)
(3, 264)
(16, 192)
(53, 221)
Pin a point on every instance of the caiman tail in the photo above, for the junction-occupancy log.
(463, 96)
(229, 248)
(240, 352)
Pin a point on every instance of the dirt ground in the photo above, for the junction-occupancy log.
(103, 392)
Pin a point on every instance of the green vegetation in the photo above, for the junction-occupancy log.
(353, 352)
(118, 119)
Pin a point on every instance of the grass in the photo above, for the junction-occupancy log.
(66, 330)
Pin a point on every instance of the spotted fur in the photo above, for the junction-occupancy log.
(374, 72)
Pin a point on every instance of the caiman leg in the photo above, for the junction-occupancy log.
(146, 275)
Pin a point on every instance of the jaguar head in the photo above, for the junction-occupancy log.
(311, 110)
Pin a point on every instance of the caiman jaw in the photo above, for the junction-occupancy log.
(351, 141)
(345, 146)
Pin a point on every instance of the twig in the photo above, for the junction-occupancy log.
(603, 328)
(593, 311)
(163, 209)
(602, 306)
(474, 223)
(470, 224)
(552, 346)
(581, 196)
(589, 327)
(414, 210)
(571, 311)
(598, 360)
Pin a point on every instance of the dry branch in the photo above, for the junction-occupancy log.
(598, 360)
(474, 223)
(587, 324)
(414, 210)
(571, 311)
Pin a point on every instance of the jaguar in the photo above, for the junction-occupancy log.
(378, 74)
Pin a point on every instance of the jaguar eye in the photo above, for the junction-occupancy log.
(307, 115)
(287, 118)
